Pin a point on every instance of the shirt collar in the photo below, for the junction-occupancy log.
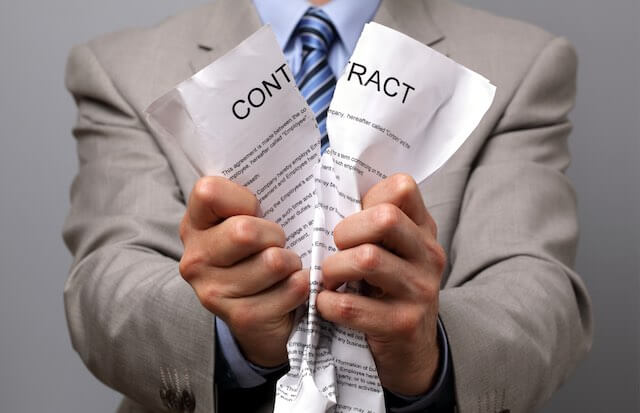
(348, 16)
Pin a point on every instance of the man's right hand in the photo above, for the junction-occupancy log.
(237, 264)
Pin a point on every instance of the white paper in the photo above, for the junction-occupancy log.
(399, 108)
(271, 149)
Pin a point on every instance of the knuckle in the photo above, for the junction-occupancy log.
(299, 285)
(346, 307)
(281, 236)
(244, 230)
(437, 256)
(275, 260)
(191, 264)
(428, 290)
(255, 205)
(406, 322)
(387, 216)
(339, 235)
(205, 188)
(183, 229)
(433, 227)
(209, 297)
(404, 185)
(368, 257)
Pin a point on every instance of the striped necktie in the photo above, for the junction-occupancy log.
(315, 79)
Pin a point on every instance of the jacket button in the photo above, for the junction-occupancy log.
(170, 399)
(164, 396)
(188, 401)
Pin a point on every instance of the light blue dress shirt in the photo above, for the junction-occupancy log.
(349, 18)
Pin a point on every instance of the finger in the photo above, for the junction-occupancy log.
(239, 237)
(214, 198)
(402, 191)
(258, 272)
(270, 315)
(385, 224)
(368, 315)
(272, 304)
(370, 263)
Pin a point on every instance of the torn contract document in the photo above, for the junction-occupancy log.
(399, 108)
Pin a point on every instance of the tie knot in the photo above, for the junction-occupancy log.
(316, 30)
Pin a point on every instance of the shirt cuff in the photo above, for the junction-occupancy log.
(441, 397)
(233, 371)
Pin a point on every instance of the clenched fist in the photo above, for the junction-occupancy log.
(391, 246)
(238, 267)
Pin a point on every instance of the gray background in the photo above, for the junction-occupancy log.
(38, 369)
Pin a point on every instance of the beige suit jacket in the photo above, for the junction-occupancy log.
(516, 314)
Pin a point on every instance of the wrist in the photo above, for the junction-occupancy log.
(419, 376)
(265, 348)
(411, 369)
(441, 395)
(264, 353)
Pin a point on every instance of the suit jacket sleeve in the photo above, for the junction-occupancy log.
(134, 321)
(517, 316)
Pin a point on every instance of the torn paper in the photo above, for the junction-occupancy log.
(398, 108)
(243, 118)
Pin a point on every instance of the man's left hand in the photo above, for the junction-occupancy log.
(391, 246)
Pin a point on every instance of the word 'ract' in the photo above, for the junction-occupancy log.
(390, 86)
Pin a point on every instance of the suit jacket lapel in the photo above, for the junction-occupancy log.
(229, 23)
(232, 21)
(412, 18)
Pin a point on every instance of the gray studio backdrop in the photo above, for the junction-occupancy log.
(39, 372)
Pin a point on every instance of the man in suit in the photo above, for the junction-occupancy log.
(495, 229)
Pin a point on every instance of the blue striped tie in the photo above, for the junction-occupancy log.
(315, 78)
